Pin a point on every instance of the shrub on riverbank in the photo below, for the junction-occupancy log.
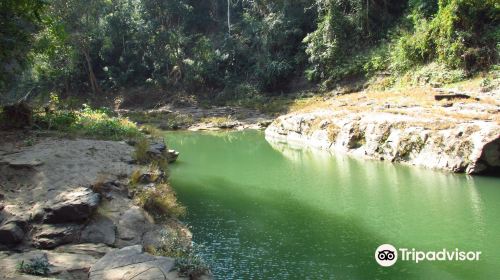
(160, 200)
(188, 261)
(95, 123)
(164, 120)
(151, 189)
(36, 266)
(140, 154)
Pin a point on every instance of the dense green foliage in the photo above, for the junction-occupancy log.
(235, 49)
(95, 123)
(344, 30)
(19, 19)
(462, 34)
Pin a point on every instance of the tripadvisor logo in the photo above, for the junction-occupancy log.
(387, 255)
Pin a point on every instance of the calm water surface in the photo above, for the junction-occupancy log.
(269, 211)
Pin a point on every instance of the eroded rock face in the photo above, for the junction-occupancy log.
(472, 147)
(50, 236)
(71, 206)
(132, 263)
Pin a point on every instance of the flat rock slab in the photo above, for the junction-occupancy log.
(40, 174)
(61, 265)
(132, 263)
(95, 250)
(23, 163)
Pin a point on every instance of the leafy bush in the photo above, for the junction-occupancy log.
(58, 120)
(36, 266)
(192, 266)
(172, 244)
(176, 121)
(188, 261)
(434, 74)
(462, 34)
(88, 122)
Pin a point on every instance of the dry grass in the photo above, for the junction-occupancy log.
(151, 130)
(476, 83)
(306, 103)
(397, 101)
(154, 171)
(141, 151)
(135, 177)
(160, 201)
(99, 186)
(333, 131)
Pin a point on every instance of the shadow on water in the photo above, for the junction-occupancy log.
(275, 236)
(323, 217)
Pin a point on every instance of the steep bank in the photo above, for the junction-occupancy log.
(410, 127)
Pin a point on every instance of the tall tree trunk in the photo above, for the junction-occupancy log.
(368, 17)
(92, 79)
(229, 17)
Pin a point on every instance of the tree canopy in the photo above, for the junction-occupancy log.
(233, 48)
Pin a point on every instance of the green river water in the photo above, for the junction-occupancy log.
(269, 211)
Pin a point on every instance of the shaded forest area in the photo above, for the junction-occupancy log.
(233, 49)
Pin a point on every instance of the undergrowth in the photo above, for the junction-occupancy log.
(36, 266)
(96, 123)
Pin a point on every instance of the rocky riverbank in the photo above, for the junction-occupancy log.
(458, 135)
(67, 212)
(195, 118)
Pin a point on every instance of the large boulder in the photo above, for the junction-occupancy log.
(11, 234)
(132, 263)
(13, 225)
(131, 227)
(157, 147)
(172, 156)
(71, 206)
(100, 229)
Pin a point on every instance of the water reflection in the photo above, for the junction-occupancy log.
(270, 210)
(405, 190)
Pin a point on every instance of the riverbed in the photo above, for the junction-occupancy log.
(261, 210)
